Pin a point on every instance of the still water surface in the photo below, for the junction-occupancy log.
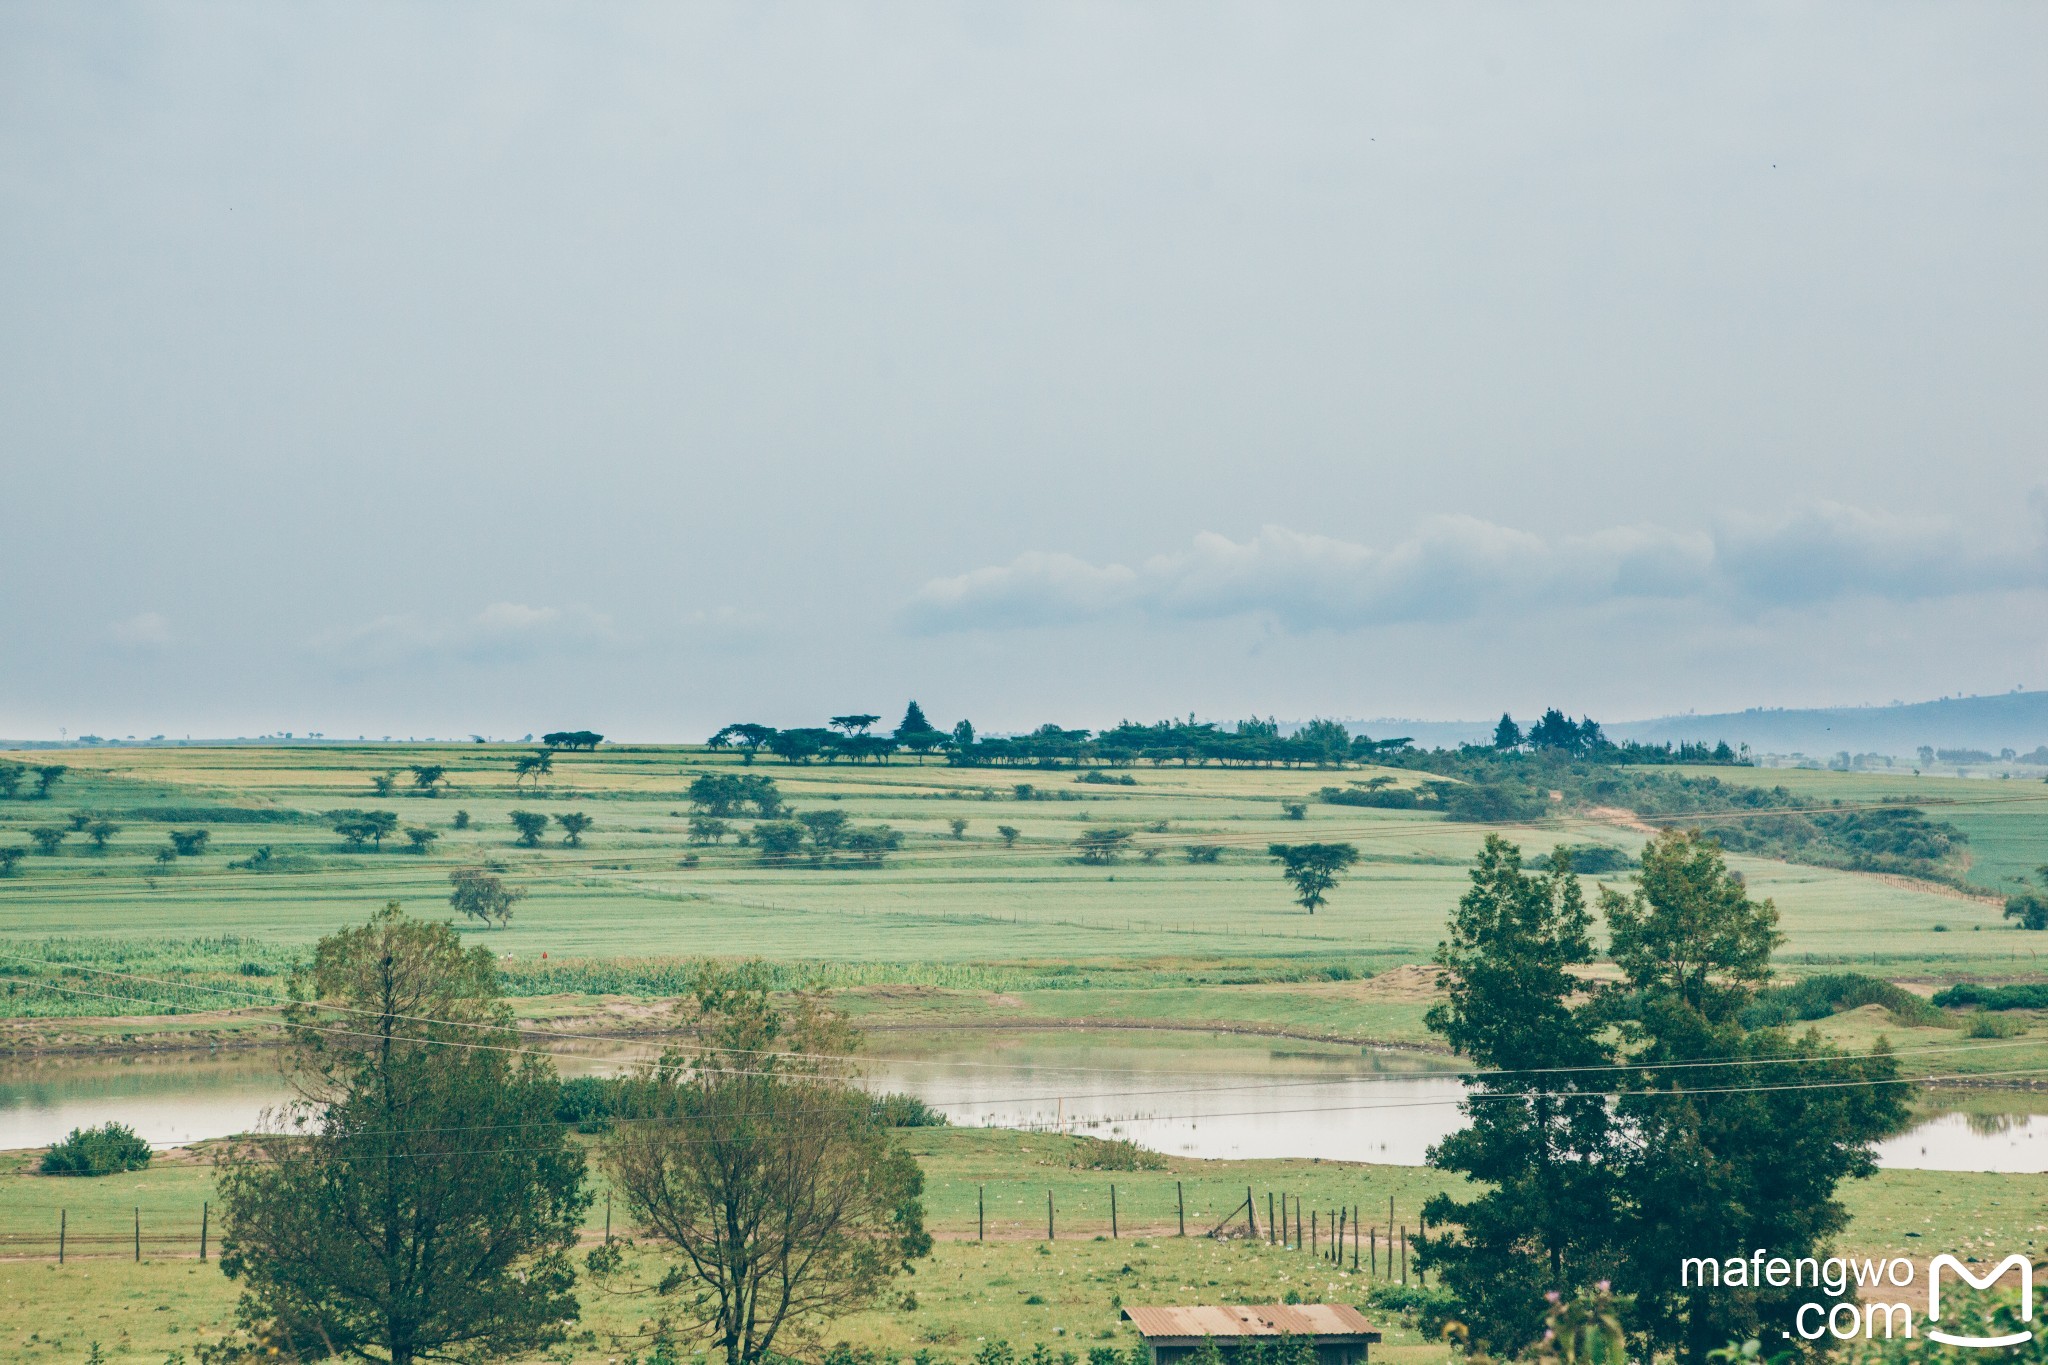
(1204, 1097)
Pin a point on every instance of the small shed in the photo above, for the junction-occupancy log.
(1340, 1332)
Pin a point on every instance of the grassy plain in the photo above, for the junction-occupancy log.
(1065, 1293)
(955, 932)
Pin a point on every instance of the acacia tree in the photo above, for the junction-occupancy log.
(46, 778)
(100, 831)
(419, 1202)
(775, 1182)
(427, 777)
(47, 838)
(573, 824)
(481, 894)
(190, 843)
(535, 765)
(1312, 868)
(531, 825)
(10, 854)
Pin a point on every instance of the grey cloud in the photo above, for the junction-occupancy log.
(502, 632)
(1456, 567)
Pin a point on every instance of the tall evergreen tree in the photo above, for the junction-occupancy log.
(1539, 1137)
(1507, 734)
(1735, 1139)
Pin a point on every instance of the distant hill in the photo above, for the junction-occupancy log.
(2012, 720)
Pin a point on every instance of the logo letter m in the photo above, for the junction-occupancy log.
(2026, 1270)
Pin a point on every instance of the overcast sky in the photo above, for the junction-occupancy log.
(436, 368)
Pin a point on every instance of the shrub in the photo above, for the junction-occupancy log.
(1591, 859)
(106, 1150)
(1964, 994)
(1817, 997)
(1113, 1154)
(1985, 1024)
(907, 1111)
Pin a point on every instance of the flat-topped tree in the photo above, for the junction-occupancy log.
(46, 778)
(854, 725)
(427, 777)
(1312, 868)
(572, 739)
(747, 736)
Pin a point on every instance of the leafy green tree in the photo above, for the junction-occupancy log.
(872, 843)
(461, 820)
(776, 1185)
(47, 839)
(1507, 735)
(958, 826)
(827, 827)
(854, 724)
(47, 775)
(419, 838)
(1008, 834)
(1294, 810)
(165, 858)
(572, 739)
(423, 1203)
(531, 825)
(100, 831)
(705, 829)
(1203, 853)
(748, 737)
(1752, 1157)
(715, 793)
(427, 777)
(11, 774)
(1538, 1144)
(1312, 868)
(481, 894)
(799, 746)
(573, 824)
(763, 795)
(778, 840)
(963, 734)
(532, 767)
(359, 827)
(2030, 908)
(383, 784)
(1326, 743)
(1102, 847)
(10, 854)
(190, 843)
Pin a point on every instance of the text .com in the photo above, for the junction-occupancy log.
(1868, 1315)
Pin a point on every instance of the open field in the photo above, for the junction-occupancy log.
(941, 899)
(967, 1291)
(954, 932)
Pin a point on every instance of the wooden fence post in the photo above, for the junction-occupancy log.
(1272, 1234)
(1180, 1207)
(1112, 1213)
(1048, 1216)
(138, 1234)
(205, 1210)
(63, 1216)
(1404, 1253)
(1372, 1248)
(980, 1213)
(607, 1217)
(1251, 1213)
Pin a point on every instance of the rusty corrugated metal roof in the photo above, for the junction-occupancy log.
(1253, 1320)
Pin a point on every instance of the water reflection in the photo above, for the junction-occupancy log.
(1216, 1097)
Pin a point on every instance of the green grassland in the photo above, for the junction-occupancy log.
(1065, 1293)
(952, 934)
(940, 900)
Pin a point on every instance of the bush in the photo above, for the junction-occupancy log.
(907, 1111)
(1963, 995)
(106, 1150)
(1817, 997)
(1591, 859)
(1113, 1154)
(1985, 1024)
